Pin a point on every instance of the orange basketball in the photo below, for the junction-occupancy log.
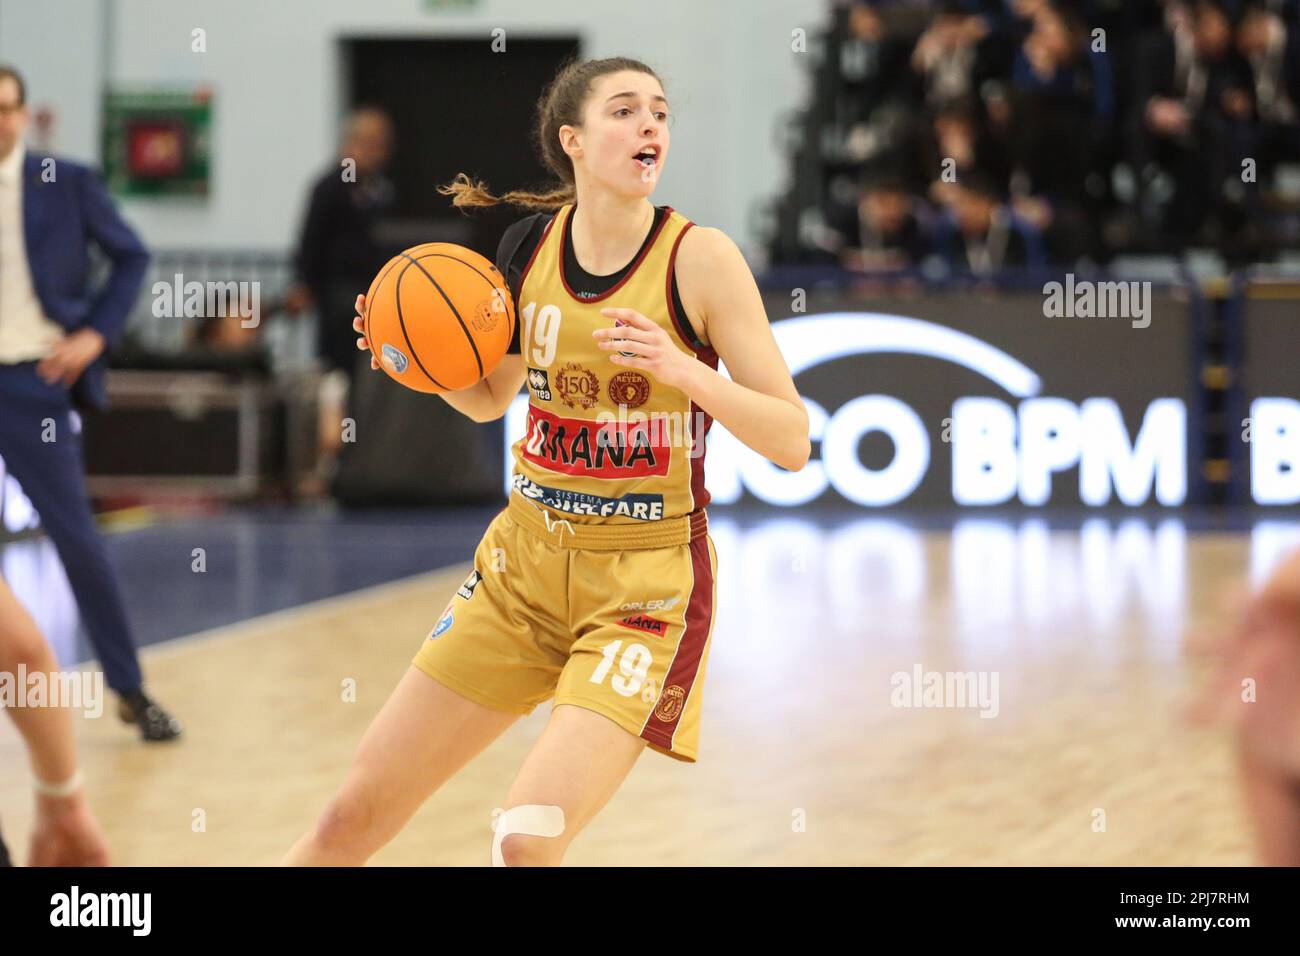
(439, 317)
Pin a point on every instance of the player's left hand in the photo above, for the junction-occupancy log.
(70, 357)
(650, 347)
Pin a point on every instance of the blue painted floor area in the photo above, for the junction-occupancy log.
(255, 562)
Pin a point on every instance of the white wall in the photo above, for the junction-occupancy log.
(57, 45)
(275, 68)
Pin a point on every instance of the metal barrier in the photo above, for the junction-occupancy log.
(290, 339)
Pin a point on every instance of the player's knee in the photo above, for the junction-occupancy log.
(520, 849)
(22, 645)
(347, 820)
(529, 835)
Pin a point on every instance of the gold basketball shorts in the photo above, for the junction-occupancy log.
(613, 618)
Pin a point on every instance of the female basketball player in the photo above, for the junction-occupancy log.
(595, 585)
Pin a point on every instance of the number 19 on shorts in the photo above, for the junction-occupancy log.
(633, 665)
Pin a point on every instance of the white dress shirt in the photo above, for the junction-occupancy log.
(26, 334)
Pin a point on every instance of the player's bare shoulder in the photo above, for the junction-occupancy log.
(707, 260)
(704, 247)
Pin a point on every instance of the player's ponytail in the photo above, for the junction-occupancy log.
(561, 104)
(468, 193)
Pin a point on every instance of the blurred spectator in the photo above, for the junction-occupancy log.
(982, 235)
(1056, 67)
(227, 343)
(884, 231)
(227, 334)
(953, 56)
(871, 58)
(338, 254)
(1272, 52)
(873, 76)
(1062, 92)
(1099, 127)
(1193, 89)
(952, 145)
(338, 257)
(1021, 17)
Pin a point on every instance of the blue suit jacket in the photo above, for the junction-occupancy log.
(61, 219)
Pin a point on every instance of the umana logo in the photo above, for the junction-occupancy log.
(644, 622)
(594, 449)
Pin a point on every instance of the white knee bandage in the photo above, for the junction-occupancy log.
(531, 819)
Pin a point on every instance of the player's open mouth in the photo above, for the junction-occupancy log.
(647, 156)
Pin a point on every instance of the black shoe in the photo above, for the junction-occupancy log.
(154, 722)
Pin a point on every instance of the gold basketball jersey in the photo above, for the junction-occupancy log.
(605, 442)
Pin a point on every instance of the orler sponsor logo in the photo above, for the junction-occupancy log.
(640, 622)
(593, 449)
(664, 604)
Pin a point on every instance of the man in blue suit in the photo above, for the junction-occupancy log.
(54, 331)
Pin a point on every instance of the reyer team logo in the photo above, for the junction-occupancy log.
(629, 388)
(670, 703)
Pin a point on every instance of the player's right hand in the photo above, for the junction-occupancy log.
(66, 833)
(360, 325)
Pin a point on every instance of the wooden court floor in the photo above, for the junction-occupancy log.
(806, 755)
